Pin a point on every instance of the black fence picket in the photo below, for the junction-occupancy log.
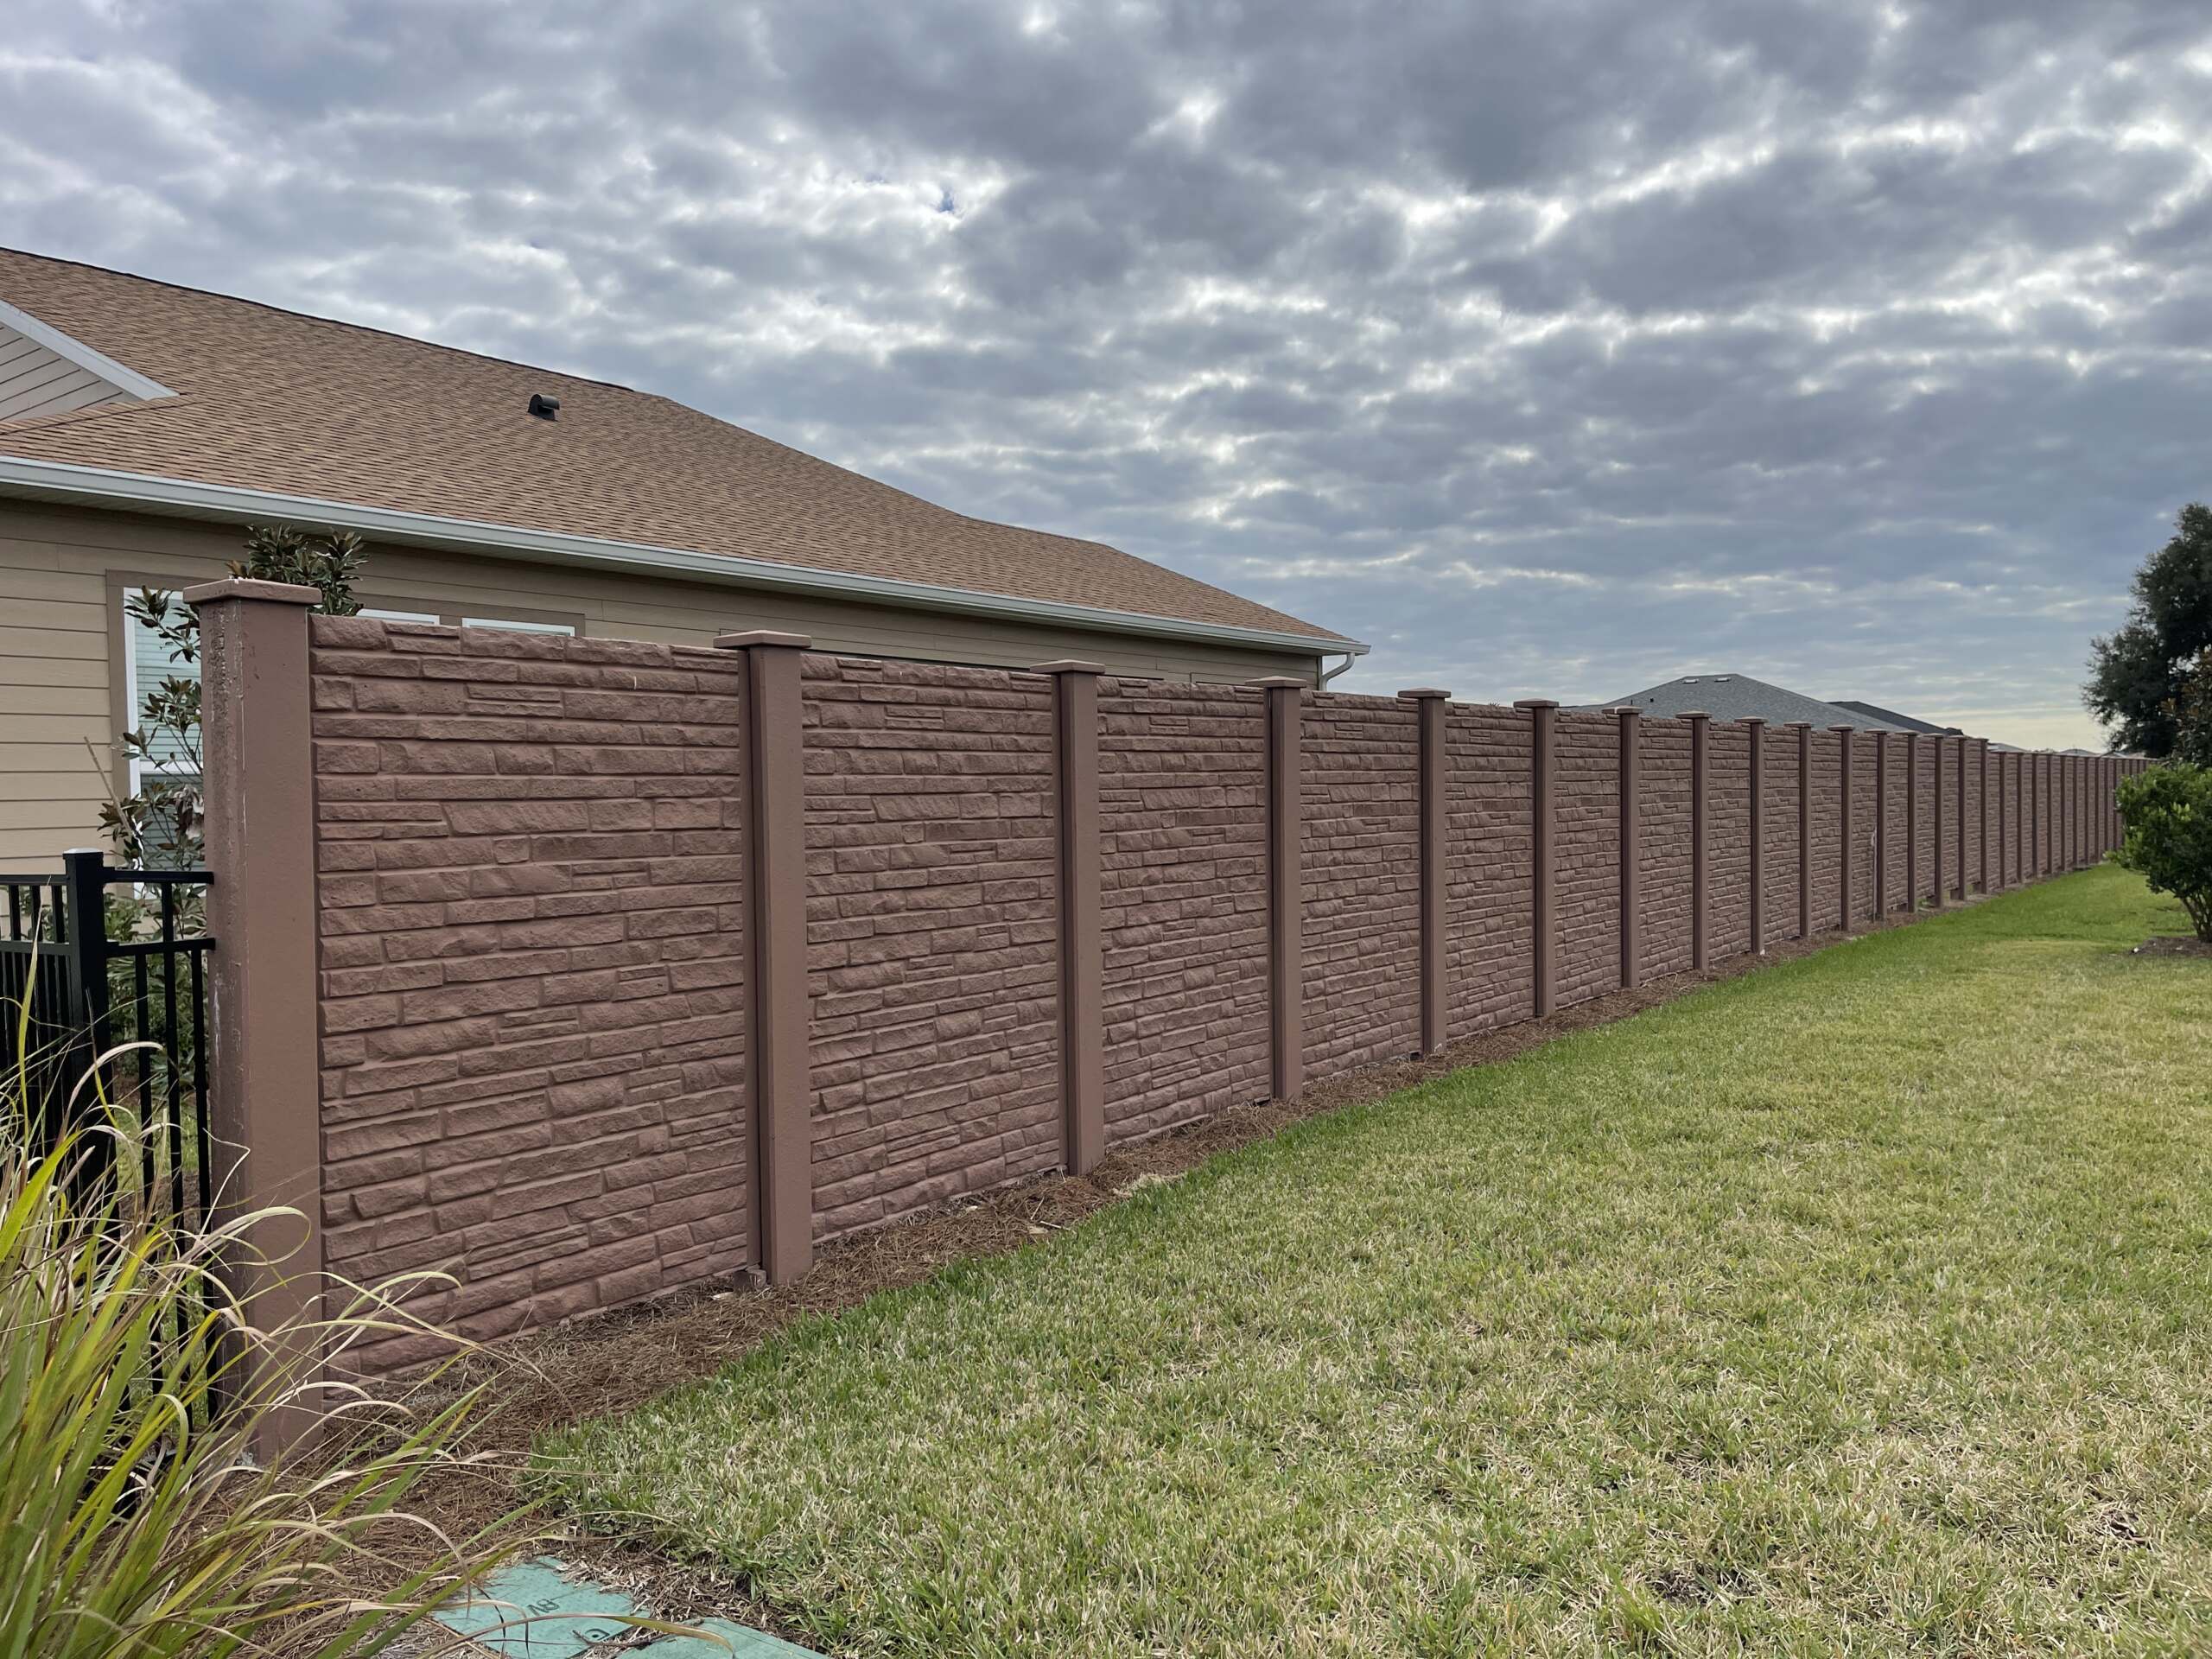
(108, 1002)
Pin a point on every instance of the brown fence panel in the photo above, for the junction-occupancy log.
(1183, 837)
(1587, 804)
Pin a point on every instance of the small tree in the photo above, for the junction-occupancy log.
(2137, 676)
(158, 824)
(2167, 811)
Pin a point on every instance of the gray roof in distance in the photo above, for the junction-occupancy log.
(1738, 696)
(1897, 721)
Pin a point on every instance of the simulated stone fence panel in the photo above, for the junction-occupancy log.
(1361, 881)
(1665, 847)
(531, 909)
(1779, 829)
(560, 946)
(1183, 840)
(1728, 820)
(932, 910)
(1489, 939)
(1588, 807)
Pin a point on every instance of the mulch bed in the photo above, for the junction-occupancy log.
(2173, 945)
(611, 1362)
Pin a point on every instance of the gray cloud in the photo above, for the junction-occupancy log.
(1553, 346)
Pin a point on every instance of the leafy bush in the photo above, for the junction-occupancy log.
(2167, 811)
(158, 825)
(136, 1396)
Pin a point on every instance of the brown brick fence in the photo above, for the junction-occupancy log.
(635, 966)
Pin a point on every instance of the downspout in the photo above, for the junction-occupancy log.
(1328, 674)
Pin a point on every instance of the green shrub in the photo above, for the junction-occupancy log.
(2167, 811)
(144, 1509)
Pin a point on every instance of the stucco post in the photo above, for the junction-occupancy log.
(1701, 885)
(264, 1100)
(1632, 844)
(1847, 832)
(1083, 959)
(1430, 707)
(1804, 730)
(1542, 791)
(1285, 976)
(2034, 867)
(781, 1167)
(1755, 730)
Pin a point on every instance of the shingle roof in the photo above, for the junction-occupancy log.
(1900, 723)
(1738, 696)
(277, 400)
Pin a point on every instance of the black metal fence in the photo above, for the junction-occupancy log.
(103, 990)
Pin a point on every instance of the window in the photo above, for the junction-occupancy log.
(520, 621)
(146, 662)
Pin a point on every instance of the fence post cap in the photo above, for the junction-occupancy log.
(1626, 711)
(1693, 714)
(273, 593)
(1843, 726)
(1284, 682)
(1799, 725)
(1422, 693)
(1069, 665)
(1753, 720)
(762, 637)
(1536, 702)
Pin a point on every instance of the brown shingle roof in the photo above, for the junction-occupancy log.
(273, 400)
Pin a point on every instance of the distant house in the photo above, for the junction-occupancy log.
(143, 425)
(1900, 723)
(1738, 696)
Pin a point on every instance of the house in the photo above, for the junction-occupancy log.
(143, 425)
(1738, 696)
(1899, 722)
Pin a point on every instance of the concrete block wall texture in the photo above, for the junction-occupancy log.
(932, 921)
(1184, 846)
(533, 1001)
(1587, 878)
(1664, 844)
(1489, 937)
(1728, 818)
(1361, 881)
(640, 966)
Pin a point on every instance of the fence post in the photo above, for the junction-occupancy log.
(1286, 975)
(781, 1167)
(1082, 1056)
(265, 1114)
(1804, 730)
(1847, 831)
(1542, 795)
(1755, 728)
(1632, 844)
(84, 957)
(1430, 707)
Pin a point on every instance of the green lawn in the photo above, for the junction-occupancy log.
(1865, 1302)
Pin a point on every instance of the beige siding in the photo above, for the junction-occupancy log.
(36, 380)
(61, 692)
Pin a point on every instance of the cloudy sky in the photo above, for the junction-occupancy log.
(1553, 346)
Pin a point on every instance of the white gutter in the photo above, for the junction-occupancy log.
(104, 487)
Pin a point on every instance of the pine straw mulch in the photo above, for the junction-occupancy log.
(611, 1362)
